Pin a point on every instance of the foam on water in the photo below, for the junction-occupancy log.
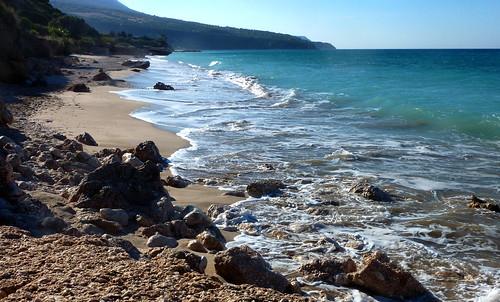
(321, 141)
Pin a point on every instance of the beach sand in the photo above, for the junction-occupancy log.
(107, 118)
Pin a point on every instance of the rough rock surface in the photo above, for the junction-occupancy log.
(371, 192)
(96, 269)
(148, 151)
(242, 265)
(79, 88)
(177, 182)
(265, 188)
(161, 241)
(120, 186)
(86, 139)
(6, 117)
(382, 277)
(477, 203)
(330, 270)
(101, 76)
(163, 86)
(137, 64)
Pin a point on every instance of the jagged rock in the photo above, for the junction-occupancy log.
(129, 158)
(215, 210)
(86, 139)
(137, 64)
(120, 186)
(161, 241)
(162, 229)
(265, 188)
(6, 117)
(71, 146)
(147, 151)
(91, 229)
(101, 76)
(53, 223)
(196, 219)
(181, 230)
(331, 270)
(196, 246)
(163, 86)
(177, 182)
(210, 242)
(79, 88)
(381, 277)
(117, 215)
(240, 194)
(371, 192)
(144, 221)
(164, 210)
(477, 203)
(59, 136)
(195, 262)
(109, 227)
(111, 159)
(243, 265)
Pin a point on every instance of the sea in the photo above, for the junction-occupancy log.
(422, 124)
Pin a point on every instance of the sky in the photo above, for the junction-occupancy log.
(349, 24)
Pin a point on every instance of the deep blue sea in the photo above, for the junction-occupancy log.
(423, 124)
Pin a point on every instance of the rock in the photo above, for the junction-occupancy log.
(210, 242)
(117, 215)
(6, 117)
(144, 221)
(196, 246)
(86, 139)
(162, 229)
(111, 159)
(265, 188)
(242, 265)
(56, 153)
(196, 219)
(240, 194)
(91, 229)
(59, 136)
(162, 86)
(109, 227)
(129, 158)
(195, 262)
(215, 210)
(101, 76)
(53, 223)
(14, 160)
(79, 88)
(381, 277)
(126, 245)
(161, 241)
(120, 186)
(71, 146)
(177, 182)
(331, 270)
(477, 203)
(147, 151)
(137, 64)
(181, 230)
(164, 210)
(371, 192)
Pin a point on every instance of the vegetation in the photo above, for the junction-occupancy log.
(111, 15)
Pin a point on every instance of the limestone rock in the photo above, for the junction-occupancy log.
(86, 139)
(330, 270)
(265, 188)
(243, 265)
(371, 192)
(161, 241)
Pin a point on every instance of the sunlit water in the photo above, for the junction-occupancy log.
(425, 125)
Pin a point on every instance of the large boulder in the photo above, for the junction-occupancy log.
(330, 270)
(147, 151)
(117, 215)
(243, 265)
(158, 240)
(79, 88)
(177, 182)
(265, 188)
(101, 76)
(163, 86)
(211, 242)
(6, 117)
(120, 186)
(371, 192)
(380, 276)
(477, 203)
(140, 64)
(86, 139)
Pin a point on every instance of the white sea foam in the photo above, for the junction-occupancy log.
(214, 63)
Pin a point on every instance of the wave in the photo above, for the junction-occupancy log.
(214, 63)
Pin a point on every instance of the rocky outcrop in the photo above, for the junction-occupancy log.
(242, 265)
(6, 117)
(101, 76)
(120, 186)
(371, 192)
(265, 188)
(477, 203)
(330, 270)
(79, 88)
(148, 151)
(86, 139)
(137, 64)
(177, 182)
(162, 86)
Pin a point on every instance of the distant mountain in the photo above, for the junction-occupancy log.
(112, 16)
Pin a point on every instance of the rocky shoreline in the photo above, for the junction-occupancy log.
(102, 225)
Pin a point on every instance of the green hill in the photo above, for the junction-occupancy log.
(112, 16)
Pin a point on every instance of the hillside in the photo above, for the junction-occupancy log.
(112, 16)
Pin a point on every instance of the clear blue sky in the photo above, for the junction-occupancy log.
(350, 23)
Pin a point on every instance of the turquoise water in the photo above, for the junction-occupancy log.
(423, 124)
